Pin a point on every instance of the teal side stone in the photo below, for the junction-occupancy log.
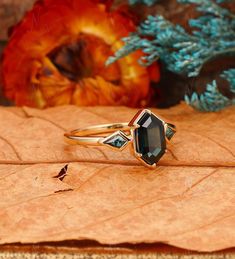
(116, 141)
(169, 133)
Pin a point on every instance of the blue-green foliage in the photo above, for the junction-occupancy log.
(212, 99)
(229, 75)
(151, 2)
(183, 53)
(147, 2)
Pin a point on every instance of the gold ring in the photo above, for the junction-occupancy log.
(146, 134)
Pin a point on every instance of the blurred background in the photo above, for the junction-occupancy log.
(171, 87)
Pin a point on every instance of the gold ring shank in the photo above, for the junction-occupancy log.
(88, 136)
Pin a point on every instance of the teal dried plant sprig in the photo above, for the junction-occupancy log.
(213, 35)
(212, 99)
(147, 2)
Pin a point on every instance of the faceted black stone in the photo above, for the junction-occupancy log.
(150, 138)
(116, 141)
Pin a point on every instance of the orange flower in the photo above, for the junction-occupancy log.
(57, 55)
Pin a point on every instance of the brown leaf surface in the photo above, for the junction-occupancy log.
(188, 201)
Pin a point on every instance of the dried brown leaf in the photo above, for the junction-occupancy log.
(188, 201)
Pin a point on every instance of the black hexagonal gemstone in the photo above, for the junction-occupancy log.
(150, 138)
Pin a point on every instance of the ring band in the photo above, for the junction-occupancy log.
(146, 134)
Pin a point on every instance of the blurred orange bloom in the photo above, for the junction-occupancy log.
(57, 55)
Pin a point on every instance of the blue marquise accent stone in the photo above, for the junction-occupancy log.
(170, 131)
(118, 140)
(150, 138)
